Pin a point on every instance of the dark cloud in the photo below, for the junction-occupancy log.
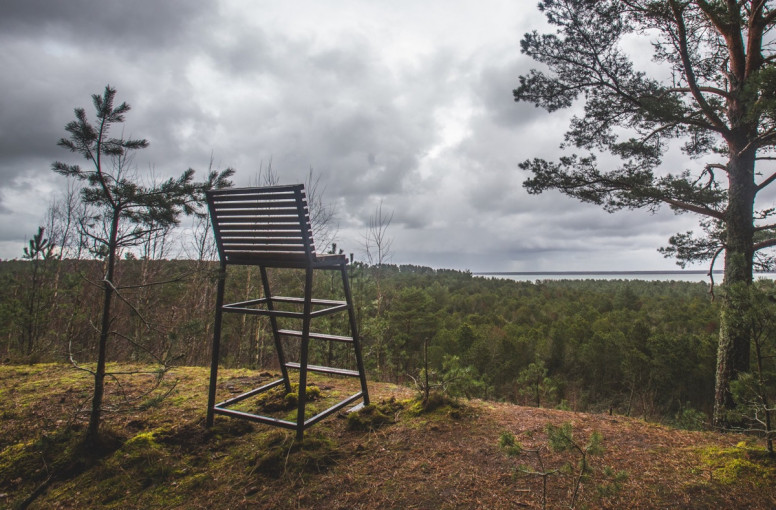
(120, 24)
(495, 85)
(409, 105)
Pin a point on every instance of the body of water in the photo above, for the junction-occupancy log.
(684, 276)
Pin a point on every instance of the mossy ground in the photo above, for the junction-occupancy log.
(744, 462)
(394, 453)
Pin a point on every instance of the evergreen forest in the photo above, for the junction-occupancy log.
(639, 348)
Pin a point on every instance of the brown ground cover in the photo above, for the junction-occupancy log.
(160, 455)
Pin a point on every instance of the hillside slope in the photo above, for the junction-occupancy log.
(158, 455)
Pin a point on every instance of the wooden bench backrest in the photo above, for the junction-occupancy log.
(262, 226)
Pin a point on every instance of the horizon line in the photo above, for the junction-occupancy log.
(670, 271)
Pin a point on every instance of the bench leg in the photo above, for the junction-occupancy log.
(274, 323)
(354, 334)
(211, 397)
(308, 309)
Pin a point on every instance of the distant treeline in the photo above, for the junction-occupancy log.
(635, 347)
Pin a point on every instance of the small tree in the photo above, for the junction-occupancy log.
(457, 380)
(413, 322)
(512, 448)
(377, 246)
(533, 382)
(561, 439)
(755, 391)
(122, 210)
(39, 251)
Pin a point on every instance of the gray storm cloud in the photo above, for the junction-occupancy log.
(402, 103)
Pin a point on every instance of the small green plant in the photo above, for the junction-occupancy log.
(561, 439)
(612, 483)
(433, 402)
(513, 448)
(690, 419)
(453, 380)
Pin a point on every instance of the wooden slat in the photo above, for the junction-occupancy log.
(236, 231)
(247, 227)
(259, 222)
(257, 213)
(280, 188)
(252, 258)
(267, 237)
(258, 242)
(264, 238)
(242, 197)
(264, 204)
(269, 259)
(287, 230)
(246, 248)
(261, 227)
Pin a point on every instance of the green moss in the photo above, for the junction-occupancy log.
(195, 482)
(51, 457)
(291, 399)
(743, 463)
(34, 460)
(142, 440)
(277, 399)
(147, 457)
(18, 460)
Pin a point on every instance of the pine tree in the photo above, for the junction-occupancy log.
(718, 96)
(122, 209)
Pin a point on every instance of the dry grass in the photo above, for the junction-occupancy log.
(162, 457)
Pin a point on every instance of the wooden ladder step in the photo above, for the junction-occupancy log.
(326, 370)
(317, 336)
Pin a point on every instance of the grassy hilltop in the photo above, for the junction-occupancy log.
(157, 454)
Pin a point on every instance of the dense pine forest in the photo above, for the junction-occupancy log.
(639, 348)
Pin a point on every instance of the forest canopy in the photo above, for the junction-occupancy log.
(643, 348)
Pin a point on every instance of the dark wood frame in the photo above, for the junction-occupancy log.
(269, 227)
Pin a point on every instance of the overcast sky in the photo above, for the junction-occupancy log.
(404, 102)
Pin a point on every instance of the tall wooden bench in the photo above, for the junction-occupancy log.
(269, 227)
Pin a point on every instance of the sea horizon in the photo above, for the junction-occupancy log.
(657, 271)
(692, 275)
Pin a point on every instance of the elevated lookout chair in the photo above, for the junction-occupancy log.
(269, 227)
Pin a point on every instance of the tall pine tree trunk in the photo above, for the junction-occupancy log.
(735, 331)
